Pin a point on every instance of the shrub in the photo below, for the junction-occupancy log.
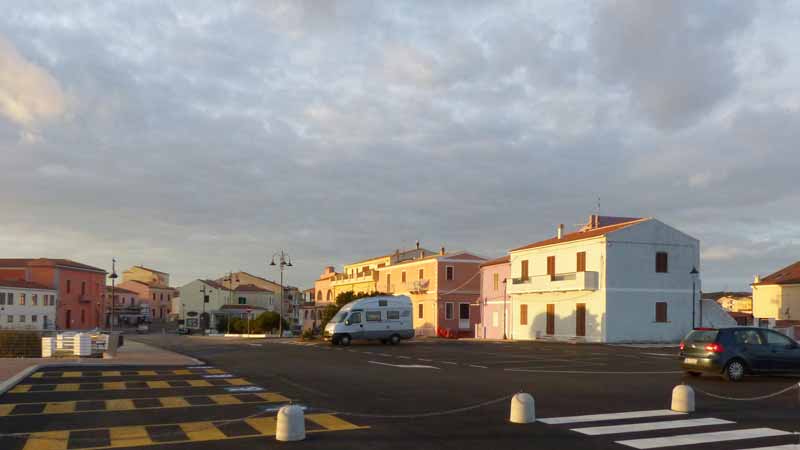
(307, 335)
(20, 344)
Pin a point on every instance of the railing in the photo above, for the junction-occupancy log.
(418, 285)
(368, 275)
(569, 281)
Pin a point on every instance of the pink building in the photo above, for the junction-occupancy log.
(444, 289)
(495, 304)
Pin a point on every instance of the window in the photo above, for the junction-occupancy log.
(421, 273)
(750, 337)
(525, 273)
(419, 311)
(83, 316)
(403, 276)
(69, 286)
(10, 298)
(392, 315)
(777, 339)
(383, 303)
(448, 311)
(83, 288)
(389, 281)
(463, 311)
(21, 319)
(355, 317)
(33, 318)
(662, 262)
(161, 297)
(2, 298)
(154, 296)
(319, 295)
(523, 314)
(449, 272)
(661, 311)
(242, 300)
(373, 316)
(496, 281)
(44, 321)
(35, 299)
(21, 299)
(581, 263)
(551, 265)
(10, 319)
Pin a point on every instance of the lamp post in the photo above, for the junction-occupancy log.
(284, 260)
(694, 274)
(113, 277)
(229, 279)
(203, 315)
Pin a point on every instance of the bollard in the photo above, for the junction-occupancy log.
(523, 408)
(683, 398)
(291, 424)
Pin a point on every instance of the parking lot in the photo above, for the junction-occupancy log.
(425, 394)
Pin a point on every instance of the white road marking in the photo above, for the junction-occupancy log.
(595, 372)
(671, 355)
(479, 367)
(651, 426)
(254, 345)
(610, 416)
(778, 447)
(449, 362)
(384, 354)
(702, 438)
(404, 366)
(404, 357)
(367, 353)
(423, 359)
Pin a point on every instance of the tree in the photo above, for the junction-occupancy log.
(342, 299)
(266, 322)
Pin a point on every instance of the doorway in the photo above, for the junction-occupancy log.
(580, 319)
(463, 316)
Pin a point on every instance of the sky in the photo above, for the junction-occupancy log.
(199, 137)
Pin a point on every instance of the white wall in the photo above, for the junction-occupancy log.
(28, 310)
(565, 320)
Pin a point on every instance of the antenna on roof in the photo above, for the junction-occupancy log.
(598, 205)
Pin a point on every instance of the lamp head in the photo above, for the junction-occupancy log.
(694, 271)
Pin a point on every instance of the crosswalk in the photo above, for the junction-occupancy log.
(630, 429)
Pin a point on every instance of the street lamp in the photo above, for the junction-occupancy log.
(229, 279)
(203, 315)
(284, 260)
(113, 277)
(694, 274)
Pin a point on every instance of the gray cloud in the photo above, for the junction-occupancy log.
(202, 138)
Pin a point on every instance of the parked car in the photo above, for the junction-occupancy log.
(734, 352)
(383, 318)
(142, 328)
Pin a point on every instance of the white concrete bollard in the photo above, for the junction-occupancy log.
(523, 409)
(291, 424)
(683, 398)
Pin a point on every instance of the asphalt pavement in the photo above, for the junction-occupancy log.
(421, 394)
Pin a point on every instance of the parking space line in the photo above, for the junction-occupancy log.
(225, 399)
(173, 402)
(143, 435)
(59, 408)
(67, 387)
(199, 383)
(158, 384)
(122, 404)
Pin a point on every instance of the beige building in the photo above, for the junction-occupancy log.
(736, 304)
(777, 296)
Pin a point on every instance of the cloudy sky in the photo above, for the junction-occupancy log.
(200, 137)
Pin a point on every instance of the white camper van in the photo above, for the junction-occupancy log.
(382, 318)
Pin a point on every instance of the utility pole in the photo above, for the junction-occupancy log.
(203, 325)
(284, 260)
(113, 277)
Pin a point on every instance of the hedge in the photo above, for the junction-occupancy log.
(20, 344)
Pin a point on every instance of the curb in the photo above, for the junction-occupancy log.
(5, 386)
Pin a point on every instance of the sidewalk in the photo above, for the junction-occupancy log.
(132, 353)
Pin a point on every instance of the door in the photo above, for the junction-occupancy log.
(784, 352)
(580, 319)
(374, 325)
(354, 325)
(68, 325)
(463, 316)
(751, 345)
(551, 319)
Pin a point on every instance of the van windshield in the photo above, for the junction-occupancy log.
(339, 317)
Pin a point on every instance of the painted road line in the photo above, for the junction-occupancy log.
(118, 373)
(651, 426)
(123, 385)
(596, 372)
(777, 447)
(477, 366)
(449, 362)
(385, 354)
(403, 366)
(671, 355)
(610, 416)
(128, 404)
(703, 438)
(404, 357)
(424, 359)
(163, 434)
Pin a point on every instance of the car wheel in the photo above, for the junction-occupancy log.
(344, 340)
(734, 370)
(395, 339)
(384, 341)
(693, 374)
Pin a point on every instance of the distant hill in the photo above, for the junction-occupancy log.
(717, 295)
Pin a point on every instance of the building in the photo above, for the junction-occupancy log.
(222, 302)
(443, 287)
(362, 276)
(777, 296)
(494, 301)
(79, 288)
(616, 279)
(152, 288)
(737, 304)
(127, 308)
(27, 305)
(323, 288)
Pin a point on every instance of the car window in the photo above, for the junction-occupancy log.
(355, 317)
(774, 338)
(702, 336)
(750, 337)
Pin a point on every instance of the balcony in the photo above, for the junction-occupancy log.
(561, 282)
(418, 286)
(343, 278)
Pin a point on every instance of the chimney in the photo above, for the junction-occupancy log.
(757, 280)
(560, 231)
(441, 251)
(417, 244)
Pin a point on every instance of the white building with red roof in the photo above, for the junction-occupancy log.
(616, 279)
(27, 305)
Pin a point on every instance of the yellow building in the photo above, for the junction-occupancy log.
(146, 275)
(777, 296)
(362, 276)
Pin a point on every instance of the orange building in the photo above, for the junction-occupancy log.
(80, 287)
(152, 288)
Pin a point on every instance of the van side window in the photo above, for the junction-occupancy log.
(355, 317)
(373, 316)
(383, 303)
(392, 315)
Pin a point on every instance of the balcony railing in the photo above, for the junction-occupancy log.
(570, 281)
(367, 275)
(418, 286)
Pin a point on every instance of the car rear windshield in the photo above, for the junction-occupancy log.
(702, 336)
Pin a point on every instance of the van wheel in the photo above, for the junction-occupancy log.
(734, 370)
(344, 340)
(395, 339)
(384, 341)
(334, 341)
